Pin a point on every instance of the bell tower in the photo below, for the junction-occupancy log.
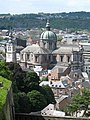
(10, 51)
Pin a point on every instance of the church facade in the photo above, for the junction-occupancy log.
(47, 55)
(40, 53)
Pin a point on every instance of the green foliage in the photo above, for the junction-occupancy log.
(1, 38)
(72, 20)
(28, 83)
(4, 91)
(16, 104)
(15, 87)
(14, 67)
(4, 70)
(59, 38)
(31, 81)
(22, 103)
(80, 102)
(32, 77)
(48, 94)
(17, 76)
(44, 79)
(38, 101)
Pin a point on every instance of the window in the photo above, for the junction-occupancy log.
(54, 58)
(44, 44)
(49, 58)
(80, 58)
(61, 58)
(9, 48)
(27, 56)
(22, 56)
(59, 85)
(68, 58)
(45, 58)
(50, 45)
(31, 56)
(36, 59)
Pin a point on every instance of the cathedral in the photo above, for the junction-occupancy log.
(46, 54)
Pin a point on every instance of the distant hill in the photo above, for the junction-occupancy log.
(72, 20)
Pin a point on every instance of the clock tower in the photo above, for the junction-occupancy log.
(10, 51)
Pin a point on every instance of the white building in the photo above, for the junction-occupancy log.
(10, 51)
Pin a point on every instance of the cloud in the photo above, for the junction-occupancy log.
(35, 6)
(75, 3)
(72, 3)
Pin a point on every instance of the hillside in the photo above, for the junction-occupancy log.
(72, 20)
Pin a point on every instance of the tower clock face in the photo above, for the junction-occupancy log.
(9, 56)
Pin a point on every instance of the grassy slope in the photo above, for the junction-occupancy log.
(4, 91)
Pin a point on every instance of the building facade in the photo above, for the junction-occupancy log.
(46, 54)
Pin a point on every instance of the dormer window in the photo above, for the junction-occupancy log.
(59, 85)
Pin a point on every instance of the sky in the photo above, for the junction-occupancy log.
(46, 6)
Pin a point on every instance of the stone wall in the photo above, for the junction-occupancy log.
(8, 109)
(20, 116)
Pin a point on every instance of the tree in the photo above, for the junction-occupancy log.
(31, 81)
(4, 70)
(22, 103)
(37, 100)
(80, 102)
(14, 67)
(44, 79)
(32, 77)
(17, 76)
(47, 92)
(16, 105)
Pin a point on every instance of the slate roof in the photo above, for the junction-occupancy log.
(60, 69)
(66, 49)
(61, 98)
(35, 49)
(86, 84)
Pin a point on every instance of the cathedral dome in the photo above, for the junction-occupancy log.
(48, 35)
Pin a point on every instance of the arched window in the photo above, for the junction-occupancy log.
(68, 58)
(27, 56)
(61, 57)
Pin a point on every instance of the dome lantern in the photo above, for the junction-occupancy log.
(48, 38)
(48, 26)
(48, 34)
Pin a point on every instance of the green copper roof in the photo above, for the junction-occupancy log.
(48, 35)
